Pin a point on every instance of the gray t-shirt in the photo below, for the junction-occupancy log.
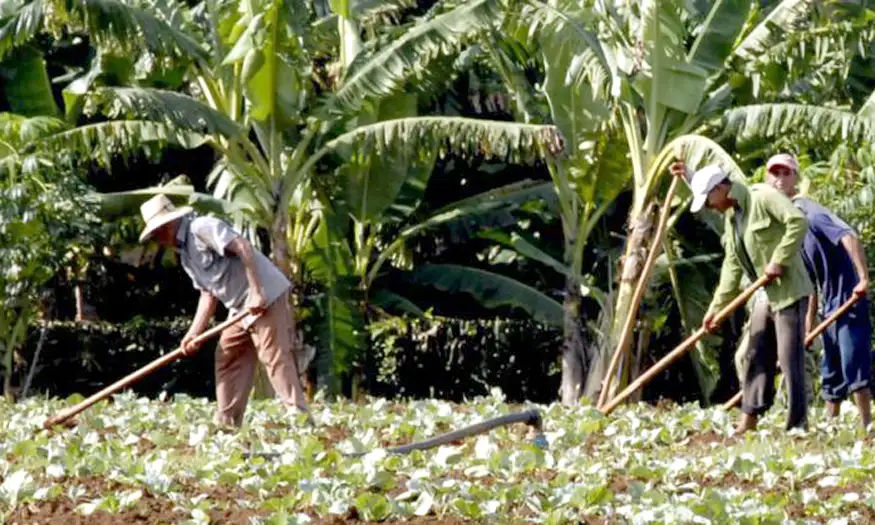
(201, 243)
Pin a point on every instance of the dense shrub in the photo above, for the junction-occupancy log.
(408, 358)
(83, 358)
(456, 358)
(447, 358)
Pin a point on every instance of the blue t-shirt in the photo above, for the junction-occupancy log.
(826, 260)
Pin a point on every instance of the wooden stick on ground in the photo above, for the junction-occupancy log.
(162, 361)
(684, 347)
(643, 279)
(809, 339)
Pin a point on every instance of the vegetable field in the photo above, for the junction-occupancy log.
(137, 460)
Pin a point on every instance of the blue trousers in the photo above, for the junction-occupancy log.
(847, 354)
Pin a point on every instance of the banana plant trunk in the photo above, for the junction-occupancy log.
(632, 262)
(573, 356)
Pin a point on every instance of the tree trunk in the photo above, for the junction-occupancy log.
(573, 356)
(632, 263)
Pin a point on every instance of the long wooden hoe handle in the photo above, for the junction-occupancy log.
(162, 361)
(684, 347)
(809, 339)
(643, 279)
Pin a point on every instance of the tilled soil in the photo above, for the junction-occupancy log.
(149, 509)
(63, 512)
(152, 509)
(155, 510)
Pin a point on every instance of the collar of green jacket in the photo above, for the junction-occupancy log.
(740, 193)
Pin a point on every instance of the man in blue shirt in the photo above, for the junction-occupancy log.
(836, 262)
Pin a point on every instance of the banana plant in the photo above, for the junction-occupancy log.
(656, 76)
(364, 234)
(281, 126)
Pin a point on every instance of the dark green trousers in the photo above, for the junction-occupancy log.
(776, 337)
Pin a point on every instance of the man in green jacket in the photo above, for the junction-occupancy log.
(763, 234)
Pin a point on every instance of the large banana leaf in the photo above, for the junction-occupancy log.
(20, 131)
(411, 193)
(496, 208)
(672, 81)
(265, 50)
(348, 30)
(698, 151)
(127, 203)
(783, 18)
(507, 197)
(411, 55)
(375, 183)
(173, 109)
(718, 33)
(527, 247)
(769, 121)
(490, 289)
(76, 90)
(111, 23)
(19, 25)
(566, 23)
(498, 200)
(575, 105)
(27, 86)
(603, 170)
(510, 141)
(104, 139)
(392, 183)
(395, 303)
(45, 140)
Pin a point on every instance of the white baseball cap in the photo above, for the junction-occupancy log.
(703, 182)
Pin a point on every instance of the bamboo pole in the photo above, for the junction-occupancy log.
(162, 361)
(685, 346)
(638, 294)
(809, 339)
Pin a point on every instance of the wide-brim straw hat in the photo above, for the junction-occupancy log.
(159, 211)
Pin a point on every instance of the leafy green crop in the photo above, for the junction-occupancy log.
(165, 459)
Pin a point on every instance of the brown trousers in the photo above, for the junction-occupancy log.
(269, 340)
(776, 337)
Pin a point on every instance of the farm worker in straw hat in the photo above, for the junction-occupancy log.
(836, 262)
(763, 233)
(223, 266)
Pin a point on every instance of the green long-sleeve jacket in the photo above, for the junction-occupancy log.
(772, 230)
